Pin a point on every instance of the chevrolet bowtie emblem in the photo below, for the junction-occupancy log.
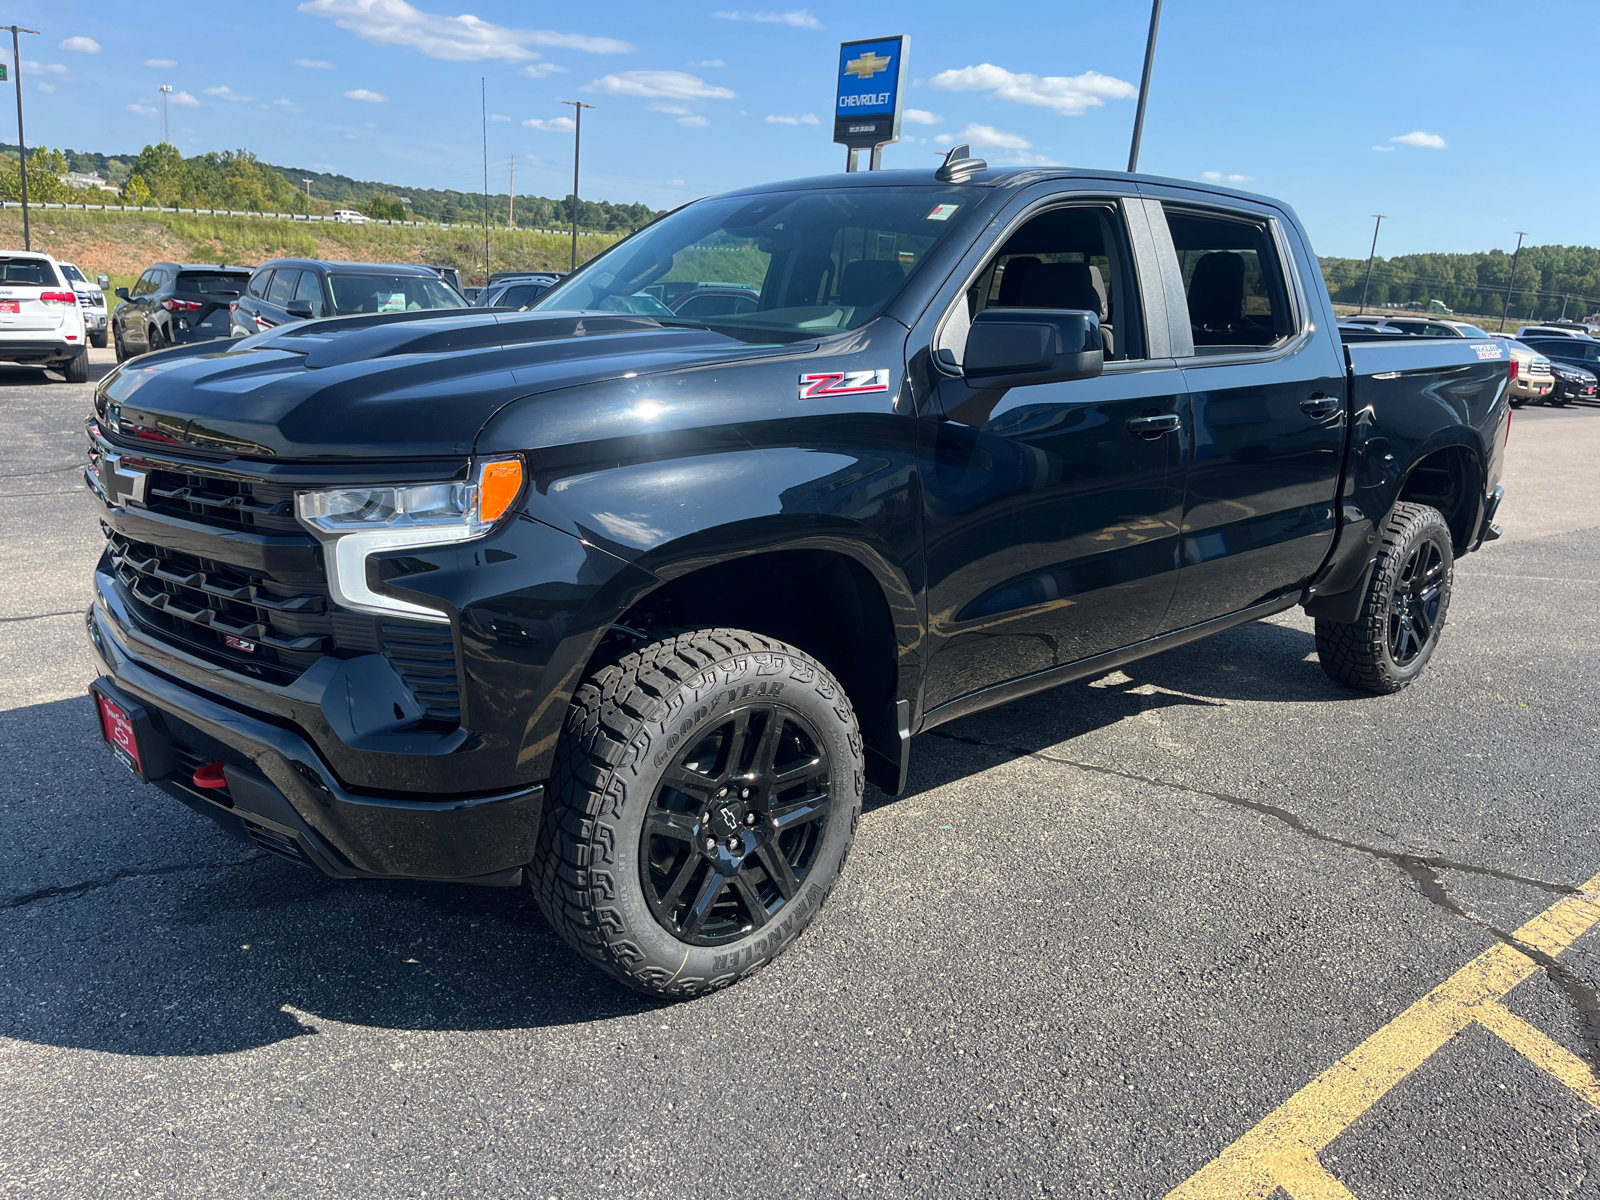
(868, 65)
(121, 483)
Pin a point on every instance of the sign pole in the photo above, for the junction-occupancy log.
(867, 101)
(1144, 85)
(22, 142)
(577, 147)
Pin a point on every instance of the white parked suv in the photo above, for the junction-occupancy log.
(41, 321)
(92, 299)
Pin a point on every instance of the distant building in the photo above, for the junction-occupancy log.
(82, 179)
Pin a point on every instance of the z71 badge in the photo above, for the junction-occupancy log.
(842, 383)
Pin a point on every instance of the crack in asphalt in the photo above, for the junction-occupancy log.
(71, 612)
(1423, 870)
(74, 890)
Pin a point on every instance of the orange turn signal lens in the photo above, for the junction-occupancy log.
(499, 484)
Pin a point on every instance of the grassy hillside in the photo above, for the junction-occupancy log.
(124, 243)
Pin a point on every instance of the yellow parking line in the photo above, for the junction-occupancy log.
(1282, 1150)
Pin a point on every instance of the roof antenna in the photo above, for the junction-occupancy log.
(959, 166)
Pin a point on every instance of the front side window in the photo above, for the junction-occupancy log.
(818, 262)
(376, 293)
(282, 289)
(1074, 257)
(309, 291)
(146, 284)
(1233, 278)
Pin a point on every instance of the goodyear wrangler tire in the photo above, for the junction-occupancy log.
(704, 797)
(1391, 642)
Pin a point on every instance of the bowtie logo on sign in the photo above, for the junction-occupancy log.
(868, 65)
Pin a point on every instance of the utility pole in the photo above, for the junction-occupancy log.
(1371, 254)
(1504, 312)
(22, 144)
(1564, 299)
(577, 146)
(165, 90)
(1144, 85)
(511, 206)
(483, 97)
(307, 182)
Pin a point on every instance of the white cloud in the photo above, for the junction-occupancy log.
(53, 68)
(539, 70)
(364, 94)
(1219, 177)
(144, 110)
(225, 92)
(803, 119)
(553, 125)
(1431, 141)
(676, 109)
(1384, 149)
(921, 116)
(184, 99)
(1070, 95)
(693, 122)
(83, 45)
(668, 85)
(160, 64)
(985, 135)
(314, 64)
(498, 117)
(456, 39)
(709, 62)
(800, 18)
(286, 105)
(45, 87)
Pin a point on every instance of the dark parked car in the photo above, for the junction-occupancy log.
(1580, 352)
(1572, 384)
(716, 302)
(173, 304)
(630, 608)
(286, 290)
(516, 293)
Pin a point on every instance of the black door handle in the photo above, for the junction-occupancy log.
(1321, 406)
(1154, 427)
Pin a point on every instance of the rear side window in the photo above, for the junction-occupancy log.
(1233, 277)
(259, 283)
(210, 283)
(309, 290)
(282, 289)
(32, 272)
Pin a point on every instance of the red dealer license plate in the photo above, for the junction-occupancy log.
(119, 735)
(10, 306)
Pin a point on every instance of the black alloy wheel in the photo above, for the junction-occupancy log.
(735, 825)
(1414, 604)
(153, 340)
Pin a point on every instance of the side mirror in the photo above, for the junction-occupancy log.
(1013, 347)
(121, 293)
(300, 309)
(103, 280)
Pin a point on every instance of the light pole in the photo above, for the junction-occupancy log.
(1144, 85)
(1371, 254)
(577, 146)
(22, 144)
(1506, 311)
(166, 90)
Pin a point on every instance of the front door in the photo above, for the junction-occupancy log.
(1050, 511)
(1264, 421)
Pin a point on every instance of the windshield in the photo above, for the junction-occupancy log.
(391, 293)
(816, 262)
(72, 272)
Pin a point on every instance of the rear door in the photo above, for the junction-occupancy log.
(1265, 416)
(1050, 511)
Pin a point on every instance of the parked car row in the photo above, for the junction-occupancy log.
(1557, 363)
(43, 321)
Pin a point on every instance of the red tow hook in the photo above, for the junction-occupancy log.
(211, 776)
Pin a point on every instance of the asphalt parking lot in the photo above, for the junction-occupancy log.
(1208, 926)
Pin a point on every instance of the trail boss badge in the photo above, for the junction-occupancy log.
(842, 383)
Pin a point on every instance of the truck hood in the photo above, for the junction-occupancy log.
(406, 385)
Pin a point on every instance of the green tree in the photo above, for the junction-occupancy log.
(136, 191)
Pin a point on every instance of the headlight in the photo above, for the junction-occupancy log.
(353, 523)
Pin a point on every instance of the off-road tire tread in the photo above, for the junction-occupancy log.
(606, 713)
(1354, 653)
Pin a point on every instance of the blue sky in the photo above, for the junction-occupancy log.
(1344, 111)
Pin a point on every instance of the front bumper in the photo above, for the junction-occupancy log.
(282, 796)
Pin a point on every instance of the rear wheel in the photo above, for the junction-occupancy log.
(154, 341)
(704, 796)
(77, 369)
(1395, 636)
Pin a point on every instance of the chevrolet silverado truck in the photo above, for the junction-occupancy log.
(630, 606)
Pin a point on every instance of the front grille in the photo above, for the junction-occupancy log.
(277, 843)
(222, 500)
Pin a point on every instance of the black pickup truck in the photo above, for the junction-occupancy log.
(630, 607)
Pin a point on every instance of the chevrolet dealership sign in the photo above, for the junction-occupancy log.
(866, 112)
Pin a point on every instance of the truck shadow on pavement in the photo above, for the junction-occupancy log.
(176, 939)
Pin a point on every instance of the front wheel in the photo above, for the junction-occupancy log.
(704, 796)
(98, 340)
(1385, 648)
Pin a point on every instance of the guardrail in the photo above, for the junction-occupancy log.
(308, 217)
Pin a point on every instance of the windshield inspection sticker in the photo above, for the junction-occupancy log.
(942, 212)
(842, 383)
(1486, 350)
